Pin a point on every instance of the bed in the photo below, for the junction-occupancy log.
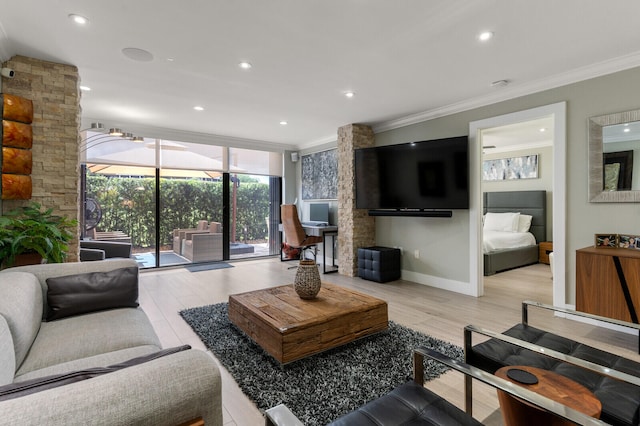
(533, 203)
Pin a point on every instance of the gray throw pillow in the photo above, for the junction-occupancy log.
(95, 291)
(15, 390)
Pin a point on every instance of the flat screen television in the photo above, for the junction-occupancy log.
(427, 175)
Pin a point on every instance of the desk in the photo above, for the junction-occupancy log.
(324, 232)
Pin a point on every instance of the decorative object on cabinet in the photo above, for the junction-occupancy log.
(606, 240)
(629, 241)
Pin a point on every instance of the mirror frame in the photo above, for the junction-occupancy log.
(596, 163)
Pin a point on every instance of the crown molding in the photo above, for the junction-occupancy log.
(510, 92)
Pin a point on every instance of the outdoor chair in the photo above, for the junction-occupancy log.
(203, 246)
(179, 235)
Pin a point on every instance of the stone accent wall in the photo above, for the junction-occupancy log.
(355, 227)
(54, 90)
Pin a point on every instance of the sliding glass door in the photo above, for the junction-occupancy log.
(169, 199)
(191, 201)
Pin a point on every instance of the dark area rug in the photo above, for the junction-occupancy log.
(207, 266)
(320, 388)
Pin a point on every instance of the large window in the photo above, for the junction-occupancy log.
(194, 220)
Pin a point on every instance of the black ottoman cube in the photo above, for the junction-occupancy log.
(379, 264)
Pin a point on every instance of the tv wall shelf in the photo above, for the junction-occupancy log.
(412, 213)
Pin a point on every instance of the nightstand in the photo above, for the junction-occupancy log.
(546, 247)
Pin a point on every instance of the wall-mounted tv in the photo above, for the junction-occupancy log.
(418, 176)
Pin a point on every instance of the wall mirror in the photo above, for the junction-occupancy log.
(614, 158)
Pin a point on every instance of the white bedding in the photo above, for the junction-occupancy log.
(497, 240)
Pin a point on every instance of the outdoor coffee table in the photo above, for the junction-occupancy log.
(290, 328)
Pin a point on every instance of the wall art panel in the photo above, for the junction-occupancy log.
(17, 135)
(320, 175)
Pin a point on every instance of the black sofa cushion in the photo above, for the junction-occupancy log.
(94, 291)
(620, 401)
(408, 404)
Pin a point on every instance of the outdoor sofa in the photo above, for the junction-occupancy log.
(91, 250)
(75, 350)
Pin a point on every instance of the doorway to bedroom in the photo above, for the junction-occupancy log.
(517, 159)
(522, 151)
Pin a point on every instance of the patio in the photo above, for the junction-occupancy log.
(169, 258)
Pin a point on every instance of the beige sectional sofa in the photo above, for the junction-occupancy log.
(168, 387)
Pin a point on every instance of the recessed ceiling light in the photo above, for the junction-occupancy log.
(245, 65)
(485, 36)
(627, 130)
(85, 88)
(198, 108)
(137, 54)
(78, 19)
(170, 59)
(349, 94)
(283, 123)
(500, 83)
(542, 130)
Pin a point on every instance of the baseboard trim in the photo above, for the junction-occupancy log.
(439, 282)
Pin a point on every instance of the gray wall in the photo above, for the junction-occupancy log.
(442, 242)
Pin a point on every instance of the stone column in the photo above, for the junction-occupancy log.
(54, 90)
(355, 227)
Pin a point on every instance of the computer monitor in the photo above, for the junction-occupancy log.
(319, 212)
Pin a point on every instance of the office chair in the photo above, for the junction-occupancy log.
(295, 234)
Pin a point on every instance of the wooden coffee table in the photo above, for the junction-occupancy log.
(290, 328)
(551, 385)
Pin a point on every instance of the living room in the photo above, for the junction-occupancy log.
(449, 251)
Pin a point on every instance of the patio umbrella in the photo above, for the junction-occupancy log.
(175, 159)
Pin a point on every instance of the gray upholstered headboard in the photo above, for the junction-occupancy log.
(533, 203)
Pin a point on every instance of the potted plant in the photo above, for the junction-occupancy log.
(32, 229)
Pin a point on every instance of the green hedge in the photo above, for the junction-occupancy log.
(128, 205)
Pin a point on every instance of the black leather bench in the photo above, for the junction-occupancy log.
(618, 393)
(408, 404)
(412, 404)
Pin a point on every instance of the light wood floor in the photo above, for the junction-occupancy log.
(439, 313)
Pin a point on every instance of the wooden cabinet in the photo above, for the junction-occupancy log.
(546, 247)
(608, 282)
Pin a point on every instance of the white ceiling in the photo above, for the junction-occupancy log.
(406, 60)
(526, 135)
